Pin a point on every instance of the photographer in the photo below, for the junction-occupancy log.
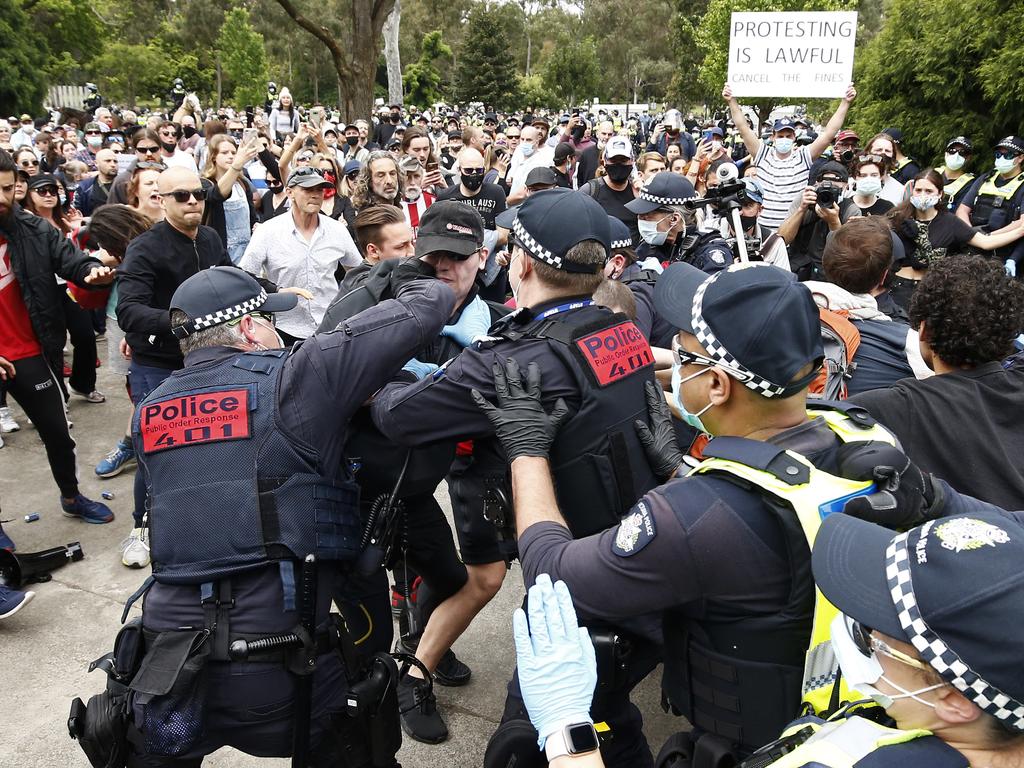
(817, 212)
(762, 244)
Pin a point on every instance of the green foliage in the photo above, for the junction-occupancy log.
(485, 70)
(912, 75)
(684, 89)
(22, 60)
(533, 94)
(572, 71)
(243, 58)
(126, 71)
(74, 35)
(712, 38)
(422, 79)
(630, 71)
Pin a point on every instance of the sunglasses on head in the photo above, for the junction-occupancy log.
(183, 195)
(50, 191)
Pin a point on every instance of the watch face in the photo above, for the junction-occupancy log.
(581, 738)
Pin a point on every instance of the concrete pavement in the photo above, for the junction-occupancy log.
(45, 649)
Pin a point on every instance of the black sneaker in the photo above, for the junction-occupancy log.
(418, 705)
(451, 672)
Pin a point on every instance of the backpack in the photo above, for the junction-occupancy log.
(840, 339)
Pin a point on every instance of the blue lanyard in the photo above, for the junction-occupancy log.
(565, 308)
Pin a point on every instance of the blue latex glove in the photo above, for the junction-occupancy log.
(418, 369)
(474, 321)
(557, 666)
(1011, 267)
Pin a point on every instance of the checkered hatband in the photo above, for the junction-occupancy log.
(535, 249)
(220, 316)
(645, 194)
(940, 656)
(619, 244)
(717, 351)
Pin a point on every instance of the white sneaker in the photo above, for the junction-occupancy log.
(135, 549)
(1, 442)
(7, 422)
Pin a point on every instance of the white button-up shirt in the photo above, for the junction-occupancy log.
(278, 251)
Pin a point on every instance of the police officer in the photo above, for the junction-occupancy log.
(996, 198)
(956, 181)
(271, 100)
(242, 455)
(595, 360)
(93, 101)
(904, 168)
(918, 634)
(176, 95)
(722, 554)
(661, 217)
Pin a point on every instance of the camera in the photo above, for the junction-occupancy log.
(828, 194)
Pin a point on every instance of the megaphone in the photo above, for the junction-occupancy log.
(19, 569)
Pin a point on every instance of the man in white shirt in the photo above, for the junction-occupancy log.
(302, 248)
(533, 154)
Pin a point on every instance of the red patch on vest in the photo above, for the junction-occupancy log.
(208, 417)
(616, 352)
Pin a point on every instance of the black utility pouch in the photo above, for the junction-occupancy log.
(170, 689)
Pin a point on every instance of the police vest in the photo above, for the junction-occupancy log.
(229, 489)
(854, 742)
(897, 172)
(954, 187)
(992, 208)
(598, 463)
(748, 701)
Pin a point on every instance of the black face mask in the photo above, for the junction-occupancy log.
(747, 221)
(472, 182)
(395, 117)
(169, 146)
(619, 173)
(189, 131)
(577, 133)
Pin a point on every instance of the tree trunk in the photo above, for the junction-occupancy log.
(220, 83)
(391, 54)
(529, 48)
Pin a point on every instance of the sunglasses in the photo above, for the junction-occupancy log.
(511, 135)
(868, 645)
(961, 151)
(50, 191)
(352, 176)
(29, 163)
(455, 256)
(1007, 153)
(147, 150)
(169, 134)
(183, 195)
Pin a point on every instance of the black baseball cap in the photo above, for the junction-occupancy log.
(450, 226)
(454, 135)
(43, 180)
(953, 588)
(755, 320)
(832, 168)
(563, 151)
(895, 134)
(664, 189)
(552, 221)
(541, 175)
(219, 294)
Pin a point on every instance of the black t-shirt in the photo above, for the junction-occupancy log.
(927, 241)
(489, 201)
(962, 426)
(879, 208)
(614, 203)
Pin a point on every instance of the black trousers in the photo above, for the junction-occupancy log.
(36, 387)
(83, 340)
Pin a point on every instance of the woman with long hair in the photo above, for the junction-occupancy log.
(284, 119)
(142, 190)
(229, 207)
(26, 159)
(335, 205)
(44, 200)
(930, 232)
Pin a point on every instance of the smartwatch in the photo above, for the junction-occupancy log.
(573, 739)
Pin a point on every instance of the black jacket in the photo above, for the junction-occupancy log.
(155, 264)
(38, 252)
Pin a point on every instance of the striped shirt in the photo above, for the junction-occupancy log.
(783, 180)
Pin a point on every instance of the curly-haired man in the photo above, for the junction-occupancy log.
(964, 424)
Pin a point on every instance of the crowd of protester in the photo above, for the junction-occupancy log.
(912, 266)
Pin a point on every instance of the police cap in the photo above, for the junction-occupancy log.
(1013, 143)
(950, 588)
(550, 222)
(963, 141)
(220, 294)
(754, 320)
(662, 190)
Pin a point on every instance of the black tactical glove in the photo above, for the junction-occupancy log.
(905, 496)
(406, 270)
(520, 421)
(659, 440)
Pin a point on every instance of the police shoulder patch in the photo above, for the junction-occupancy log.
(717, 256)
(635, 532)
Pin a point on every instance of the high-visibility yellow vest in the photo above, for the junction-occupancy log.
(820, 495)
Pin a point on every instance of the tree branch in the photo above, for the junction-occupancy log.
(321, 34)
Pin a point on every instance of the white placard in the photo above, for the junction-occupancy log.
(806, 54)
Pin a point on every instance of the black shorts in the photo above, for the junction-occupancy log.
(478, 538)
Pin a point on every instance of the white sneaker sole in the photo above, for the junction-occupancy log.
(19, 606)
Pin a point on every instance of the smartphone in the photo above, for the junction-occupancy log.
(314, 119)
(431, 167)
(249, 134)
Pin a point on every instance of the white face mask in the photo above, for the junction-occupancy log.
(862, 672)
(716, 145)
(869, 186)
(954, 162)
(265, 324)
(514, 288)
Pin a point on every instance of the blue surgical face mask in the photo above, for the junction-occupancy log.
(649, 231)
(1004, 164)
(869, 186)
(528, 149)
(693, 419)
(784, 146)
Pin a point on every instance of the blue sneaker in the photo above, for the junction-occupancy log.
(87, 510)
(118, 460)
(12, 601)
(5, 540)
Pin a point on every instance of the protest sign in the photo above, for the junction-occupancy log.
(803, 54)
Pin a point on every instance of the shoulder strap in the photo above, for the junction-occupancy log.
(759, 455)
